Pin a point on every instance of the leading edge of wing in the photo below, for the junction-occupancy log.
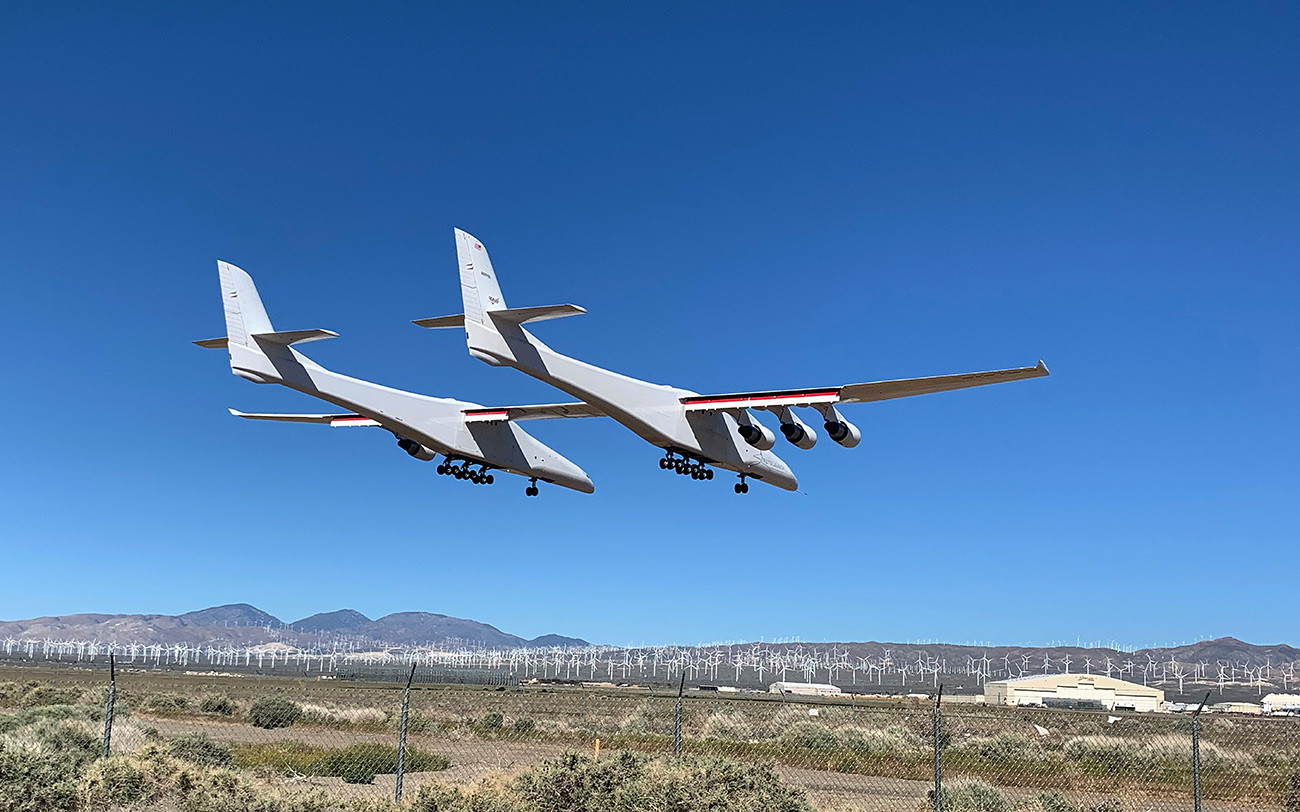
(862, 392)
(542, 411)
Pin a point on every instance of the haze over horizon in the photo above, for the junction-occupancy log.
(742, 198)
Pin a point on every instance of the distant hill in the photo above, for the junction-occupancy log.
(344, 620)
(244, 624)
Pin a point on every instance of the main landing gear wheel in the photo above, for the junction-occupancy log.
(531, 490)
(742, 486)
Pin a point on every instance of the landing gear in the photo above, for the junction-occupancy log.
(685, 465)
(531, 490)
(462, 471)
(742, 486)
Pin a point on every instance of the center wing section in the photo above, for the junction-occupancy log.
(861, 392)
(543, 411)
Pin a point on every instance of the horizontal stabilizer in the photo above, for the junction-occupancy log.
(328, 419)
(214, 343)
(523, 315)
(295, 336)
(544, 411)
(440, 322)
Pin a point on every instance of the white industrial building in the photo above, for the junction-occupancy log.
(805, 689)
(1082, 691)
(1281, 704)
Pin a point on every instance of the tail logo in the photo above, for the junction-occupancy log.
(478, 247)
(494, 300)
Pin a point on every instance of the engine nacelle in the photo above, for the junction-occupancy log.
(415, 449)
(799, 433)
(757, 435)
(843, 432)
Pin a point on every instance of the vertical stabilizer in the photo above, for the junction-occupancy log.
(245, 315)
(478, 282)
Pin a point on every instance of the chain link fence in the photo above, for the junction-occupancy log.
(208, 742)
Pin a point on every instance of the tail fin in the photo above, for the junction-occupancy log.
(245, 316)
(478, 282)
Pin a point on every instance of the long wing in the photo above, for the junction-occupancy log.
(543, 411)
(861, 392)
(328, 419)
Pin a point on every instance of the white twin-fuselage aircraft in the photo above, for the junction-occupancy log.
(424, 426)
(695, 431)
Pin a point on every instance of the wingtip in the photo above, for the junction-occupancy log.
(1042, 367)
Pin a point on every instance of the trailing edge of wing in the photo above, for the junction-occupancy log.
(328, 419)
(861, 392)
(295, 336)
(213, 343)
(544, 411)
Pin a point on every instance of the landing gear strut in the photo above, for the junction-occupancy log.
(685, 465)
(531, 490)
(742, 486)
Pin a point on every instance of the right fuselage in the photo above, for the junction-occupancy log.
(653, 412)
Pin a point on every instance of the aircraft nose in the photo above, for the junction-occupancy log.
(777, 473)
(562, 472)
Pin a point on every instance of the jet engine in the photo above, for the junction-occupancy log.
(843, 432)
(757, 435)
(415, 449)
(798, 432)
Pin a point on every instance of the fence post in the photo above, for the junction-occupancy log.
(401, 735)
(677, 723)
(937, 725)
(108, 711)
(1196, 753)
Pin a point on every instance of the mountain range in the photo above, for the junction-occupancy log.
(242, 624)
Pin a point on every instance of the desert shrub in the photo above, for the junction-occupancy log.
(808, 735)
(524, 725)
(492, 721)
(13, 721)
(162, 704)
(34, 779)
(1111, 754)
(116, 781)
(973, 796)
(73, 741)
(725, 725)
(1108, 805)
(635, 781)
(1002, 747)
(197, 748)
(1054, 802)
(1292, 801)
(272, 712)
(649, 718)
(358, 764)
(36, 695)
(879, 741)
(10, 693)
(218, 704)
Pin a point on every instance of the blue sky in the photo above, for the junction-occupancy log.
(743, 196)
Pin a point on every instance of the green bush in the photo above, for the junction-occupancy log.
(77, 743)
(1110, 754)
(1002, 747)
(218, 704)
(86, 713)
(808, 735)
(33, 779)
(726, 725)
(492, 721)
(197, 748)
(117, 781)
(358, 764)
(879, 741)
(272, 712)
(524, 725)
(10, 693)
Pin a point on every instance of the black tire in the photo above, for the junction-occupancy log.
(489, 479)
(737, 487)
(442, 470)
(744, 488)
(708, 473)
